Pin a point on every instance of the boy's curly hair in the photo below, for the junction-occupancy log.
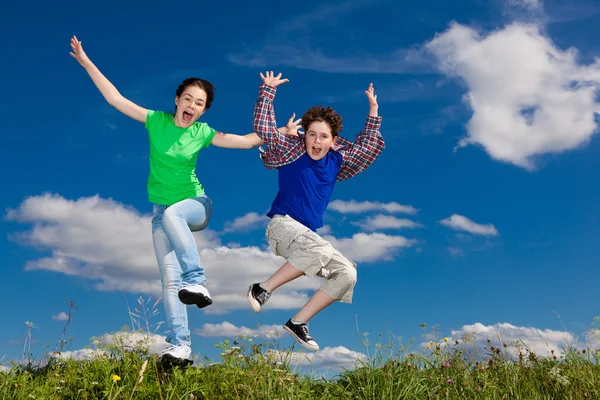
(323, 114)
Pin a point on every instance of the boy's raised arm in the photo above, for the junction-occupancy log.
(367, 145)
(264, 121)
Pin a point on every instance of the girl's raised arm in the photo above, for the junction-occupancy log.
(108, 90)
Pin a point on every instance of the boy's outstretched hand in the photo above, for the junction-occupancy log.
(270, 79)
(370, 92)
(78, 52)
(293, 127)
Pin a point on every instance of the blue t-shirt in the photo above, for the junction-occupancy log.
(305, 188)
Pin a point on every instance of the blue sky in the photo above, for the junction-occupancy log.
(482, 214)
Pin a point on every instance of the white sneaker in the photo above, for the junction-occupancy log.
(176, 356)
(181, 351)
(195, 294)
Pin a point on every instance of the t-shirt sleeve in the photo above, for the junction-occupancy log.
(153, 120)
(207, 134)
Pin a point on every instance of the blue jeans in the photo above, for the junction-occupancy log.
(178, 258)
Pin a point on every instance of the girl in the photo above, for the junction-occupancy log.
(180, 205)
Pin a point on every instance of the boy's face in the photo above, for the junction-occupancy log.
(318, 140)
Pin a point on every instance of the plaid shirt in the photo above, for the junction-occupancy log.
(285, 149)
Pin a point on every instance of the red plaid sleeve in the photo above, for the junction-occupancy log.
(280, 149)
(359, 155)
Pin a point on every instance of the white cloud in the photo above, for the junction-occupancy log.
(62, 316)
(325, 230)
(455, 252)
(335, 358)
(227, 329)
(539, 341)
(528, 97)
(4, 368)
(380, 222)
(362, 247)
(289, 43)
(355, 207)
(247, 222)
(110, 244)
(527, 4)
(461, 223)
(127, 341)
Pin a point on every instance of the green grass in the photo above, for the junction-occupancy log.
(251, 370)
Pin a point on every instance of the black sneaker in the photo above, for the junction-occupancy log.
(300, 332)
(195, 294)
(257, 296)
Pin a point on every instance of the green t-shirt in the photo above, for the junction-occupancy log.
(173, 156)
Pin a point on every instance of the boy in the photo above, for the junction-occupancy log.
(309, 167)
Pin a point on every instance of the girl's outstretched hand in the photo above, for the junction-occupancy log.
(78, 52)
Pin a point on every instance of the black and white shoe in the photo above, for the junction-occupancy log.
(195, 294)
(176, 356)
(301, 334)
(257, 296)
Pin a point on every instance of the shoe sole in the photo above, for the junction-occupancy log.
(191, 298)
(302, 342)
(168, 362)
(253, 302)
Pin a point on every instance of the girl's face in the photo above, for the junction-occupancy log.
(190, 106)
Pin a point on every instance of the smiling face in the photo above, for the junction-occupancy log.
(319, 140)
(190, 106)
(321, 126)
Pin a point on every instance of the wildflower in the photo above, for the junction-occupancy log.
(423, 325)
(446, 339)
(428, 345)
(449, 381)
(446, 364)
(116, 378)
(478, 389)
(192, 397)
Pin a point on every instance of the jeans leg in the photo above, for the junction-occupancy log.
(179, 221)
(170, 274)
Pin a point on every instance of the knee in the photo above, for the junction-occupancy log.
(347, 276)
(170, 283)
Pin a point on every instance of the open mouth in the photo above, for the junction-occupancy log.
(315, 151)
(187, 117)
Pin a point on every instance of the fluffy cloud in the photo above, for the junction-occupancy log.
(462, 223)
(247, 222)
(127, 341)
(356, 207)
(541, 342)
(62, 316)
(362, 247)
(4, 368)
(227, 329)
(380, 222)
(111, 244)
(528, 97)
(334, 358)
